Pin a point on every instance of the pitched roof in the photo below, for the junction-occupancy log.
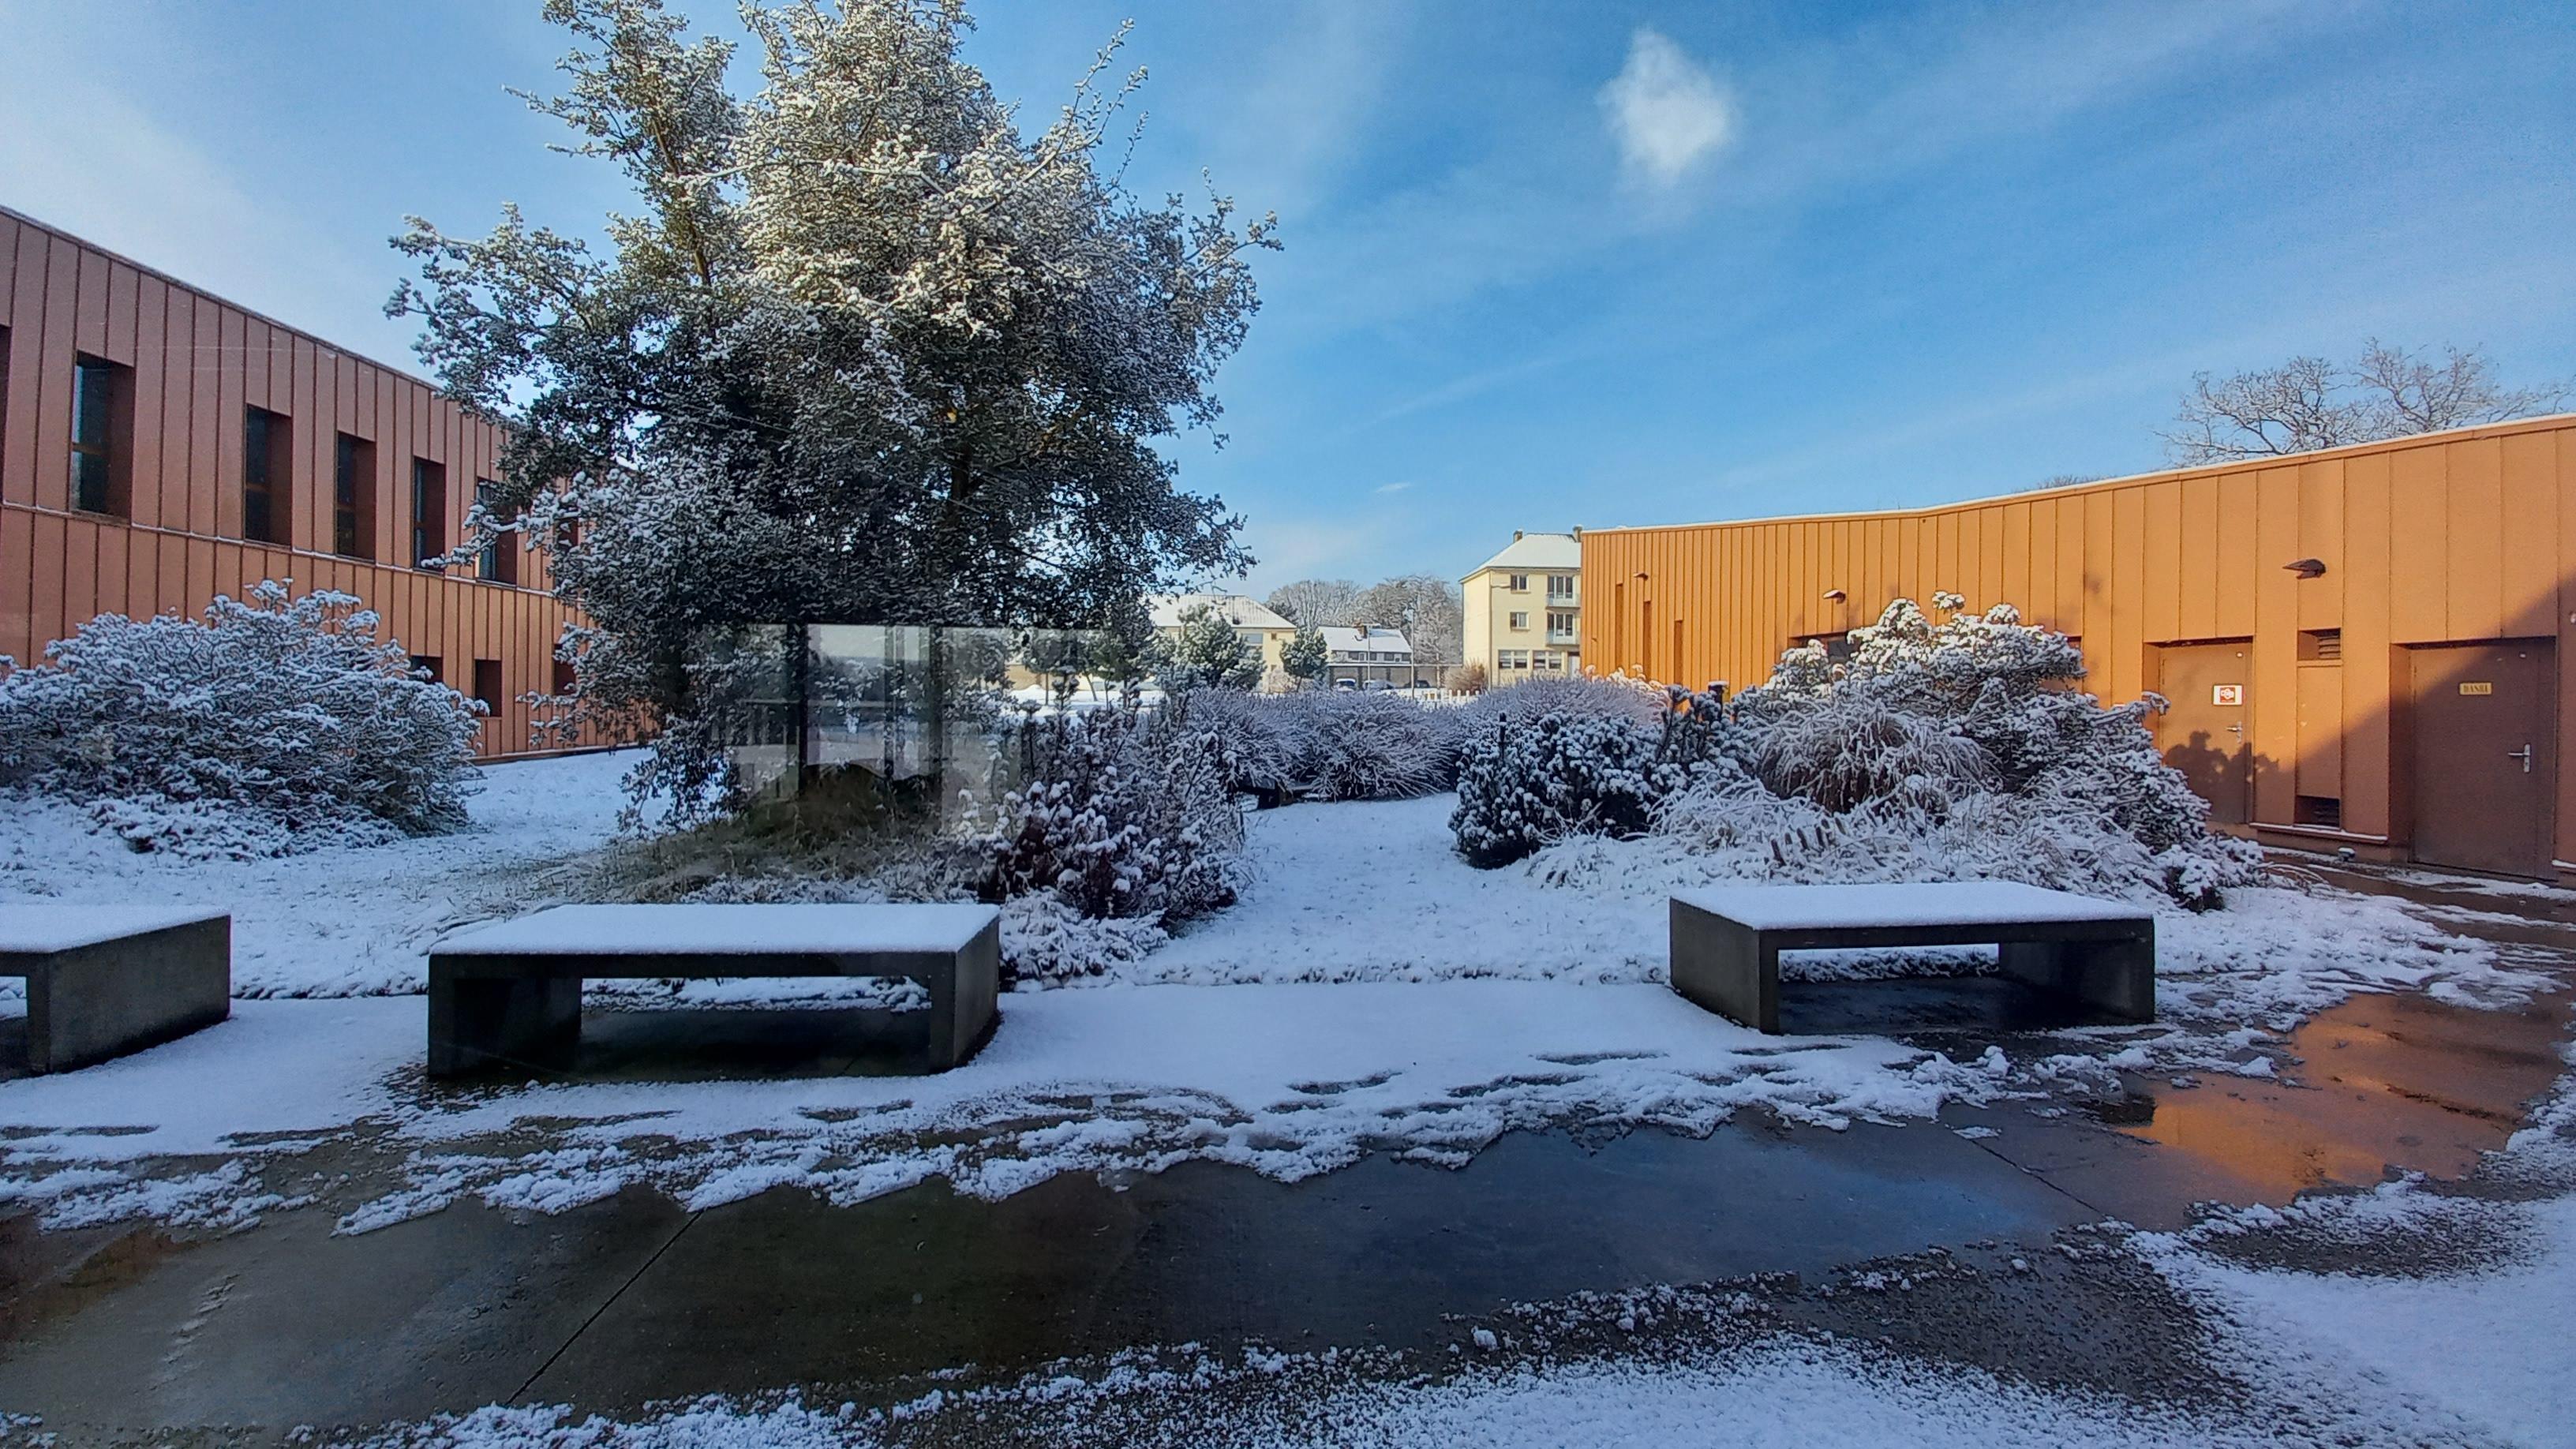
(1534, 551)
(1365, 641)
(1244, 613)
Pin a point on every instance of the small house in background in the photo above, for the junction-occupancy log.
(1258, 627)
(1369, 656)
(1524, 609)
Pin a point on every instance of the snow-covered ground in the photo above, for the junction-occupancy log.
(338, 922)
(1370, 992)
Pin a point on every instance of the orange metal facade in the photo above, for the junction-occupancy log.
(2427, 541)
(188, 369)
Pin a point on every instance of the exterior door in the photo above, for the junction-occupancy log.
(2208, 688)
(2485, 769)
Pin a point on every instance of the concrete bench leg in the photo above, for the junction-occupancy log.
(965, 991)
(1725, 967)
(476, 1022)
(2112, 979)
(95, 1002)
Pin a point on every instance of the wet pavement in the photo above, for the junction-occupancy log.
(635, 1299)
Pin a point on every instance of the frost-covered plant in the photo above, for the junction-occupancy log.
(287, 712)
(1260, 738)
(1362, 745)
(1965, 749)
(1206, 654)
(1526, 785)
(1614, 698)
(1848, 749)
(1121, 814)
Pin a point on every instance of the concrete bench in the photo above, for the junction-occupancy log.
(106, 980)
(2097, 954)
(509, 994)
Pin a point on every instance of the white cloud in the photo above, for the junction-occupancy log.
(1666, 110)
(1393, 487)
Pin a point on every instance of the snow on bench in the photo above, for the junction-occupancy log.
(1727, 940)
(104, 980)
(509, 994)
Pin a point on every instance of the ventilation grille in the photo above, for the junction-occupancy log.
(2321, 646)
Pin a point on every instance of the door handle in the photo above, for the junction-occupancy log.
(2524, 755)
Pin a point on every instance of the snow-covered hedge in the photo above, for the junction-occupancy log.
(1121, 814)
(1364, 745)
(1962, 749)
(276, 725)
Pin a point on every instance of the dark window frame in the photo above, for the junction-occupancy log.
(489, 688)
(268, 472)
(353, 496)
(428, 513)
(102, 435)
(498, 562)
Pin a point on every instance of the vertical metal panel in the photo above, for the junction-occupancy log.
(2196, 609)
(2529, 527)
(2476, 540)
(2236, 562)
(2418, 545)
(2321, 537)
(2273, 717)
(2367, 661)
(2160, 561)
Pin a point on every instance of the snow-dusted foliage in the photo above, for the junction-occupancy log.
(863, 349)
(1360, 745)
(1958, 750)
(277, 723)
(1615, 697)
(1525, 784)
(1120, 814)
(1261, 739)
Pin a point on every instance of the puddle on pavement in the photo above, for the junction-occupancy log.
(2380, 1082)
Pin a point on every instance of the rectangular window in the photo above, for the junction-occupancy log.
(499, 561)
(267, 455)
(428, 513)
(1520, 621)
(1560, 586)
(487, 684)
(102, 434)
(565, 734)
(2323, 811)
(1519, 583)
(353, 497)
(1511, 659)
(1560, 623)
(431, 666)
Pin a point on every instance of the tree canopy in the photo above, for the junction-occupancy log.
(863, 351)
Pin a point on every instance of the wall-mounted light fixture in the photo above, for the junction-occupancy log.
(2307, 568)
(1836, 595)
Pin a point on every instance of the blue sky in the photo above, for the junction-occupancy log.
(1547, 263)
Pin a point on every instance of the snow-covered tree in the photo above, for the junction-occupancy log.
(862, 350)
(1304, 657)
(1206, 654)
(276, 724)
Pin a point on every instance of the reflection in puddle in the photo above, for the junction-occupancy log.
(2382, 1082)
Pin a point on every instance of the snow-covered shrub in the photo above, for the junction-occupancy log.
(1120, 814)
(1046, 939)
(1261, 739)
(1846, 750)
(1523, 785)
(1964, 749)
(287, 714)
(1615, 698)
(1365, 745)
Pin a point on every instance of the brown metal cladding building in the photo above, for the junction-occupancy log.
(2406, 701)
(159, 446)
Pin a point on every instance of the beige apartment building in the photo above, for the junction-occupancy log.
(1525, 609)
